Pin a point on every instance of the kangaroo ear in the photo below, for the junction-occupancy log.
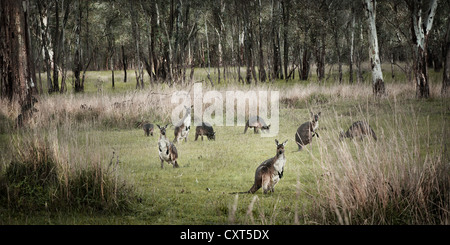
(276, 142)
(268, 126)
(158, 126)
(285, 142)
(166, 125)
(319, 113)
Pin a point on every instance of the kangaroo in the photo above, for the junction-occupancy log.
(167, 150)
(148, 128)
(358, 129)
(256, 122)
(183, 126)
(205, 129)
(269, 172)
(307, 131)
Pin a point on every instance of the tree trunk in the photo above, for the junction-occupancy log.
(377, 75)
(285, 15)
(15, 58)
(125, 64)
(305, 64)
(275, 44)
(352, 35)
(136, 38)
(445, 90)
(77, 57)
(209, 58)
(153, 34)
(56, 49)
(62, 48)
(261, 70)
(420, 31)
(44, 36)
(320, 57)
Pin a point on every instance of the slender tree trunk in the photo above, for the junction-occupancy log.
(56, 41)
(338, 54)
(359, 76)
(320, 57)
(44, 34)
(209, 58)
(445, 90)
(136, 38)
(275, 43)
(377, 75)
(62, 47)
(285, 16)
(77, 57)
(352, 35)
(153, 34)
(261, 70)
(125, 64)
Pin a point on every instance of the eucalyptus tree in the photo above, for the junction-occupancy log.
(375, 63)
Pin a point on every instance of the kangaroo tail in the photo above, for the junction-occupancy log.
(242, 192)
(252, 190)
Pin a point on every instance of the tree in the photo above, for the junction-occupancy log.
(17, 75)
(77, 66)
(377, 74)
(421, 24)
(446, 77)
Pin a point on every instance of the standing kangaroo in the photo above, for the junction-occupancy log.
(183, 126)
(167, 150)
(269, 172)
(358, 129)
(307, 131)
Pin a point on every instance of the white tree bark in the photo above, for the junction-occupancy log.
(377, 74)
(421, 28)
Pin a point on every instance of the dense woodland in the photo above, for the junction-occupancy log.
(259, 40)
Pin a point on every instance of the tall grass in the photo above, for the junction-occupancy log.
(50, 172)
(66, 159)
(403, 178)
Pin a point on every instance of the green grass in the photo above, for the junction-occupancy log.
(199, 191)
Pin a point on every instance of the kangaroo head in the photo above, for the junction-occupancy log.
(212, 135)
(188, 109)
(315, 116)
(162, 129)
(280, 147)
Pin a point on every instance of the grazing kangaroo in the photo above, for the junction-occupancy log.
(358, 129)
(269, 172)
(183, 126)
(256, 122)
(205, 129)
(148, 128)
(167, 150)
(306, 131)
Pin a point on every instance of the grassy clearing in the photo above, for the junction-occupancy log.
(402, 178)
